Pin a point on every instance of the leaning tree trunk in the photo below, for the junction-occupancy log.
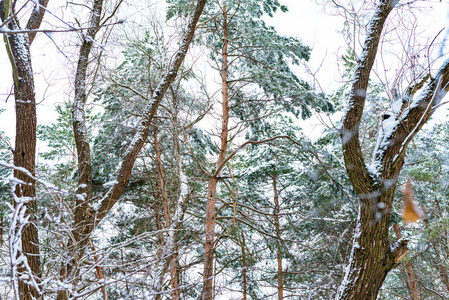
(372, 254)
(85, 219)
(18, 49)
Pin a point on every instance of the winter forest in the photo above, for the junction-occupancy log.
(163, 149)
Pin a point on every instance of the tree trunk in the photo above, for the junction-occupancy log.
(244, 266)
(371, 256)
(209, 243)
(280, 286)
(172, 260)
(213, 180)
(18, 49)
(83, 210)
(25, 153)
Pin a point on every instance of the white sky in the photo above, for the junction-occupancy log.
(305, 20)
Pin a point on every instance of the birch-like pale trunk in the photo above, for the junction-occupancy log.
(372, 255)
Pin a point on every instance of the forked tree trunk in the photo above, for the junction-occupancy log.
(208, 272)
(372, 254)
(83, 208)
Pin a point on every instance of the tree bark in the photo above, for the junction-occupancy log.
(83, 204)
(280, 286)
(24, 155)
(209, 243)
(18, 48)
(172, 260)
(244, 266)
(372, 256)
(208, 272)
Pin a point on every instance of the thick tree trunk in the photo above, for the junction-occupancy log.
(25, 153)
(213, 180)
(372, 255)
(18, 48)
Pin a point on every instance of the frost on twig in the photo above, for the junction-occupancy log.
(18, 219)
(18, 263)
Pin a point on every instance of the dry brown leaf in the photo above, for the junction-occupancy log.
(410, 211)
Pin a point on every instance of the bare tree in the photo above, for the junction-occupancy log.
(372, 255)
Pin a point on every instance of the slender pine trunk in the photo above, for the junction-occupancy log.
(208, 272)
(244, 268)
(280, 286)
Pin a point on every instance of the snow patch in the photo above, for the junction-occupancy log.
(110, 184)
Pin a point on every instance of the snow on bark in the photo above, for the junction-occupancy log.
(17, 259)
(399, 127)
(369, 263)
(352, 273)
(86, 216)
(360, 174)
(126, 165)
